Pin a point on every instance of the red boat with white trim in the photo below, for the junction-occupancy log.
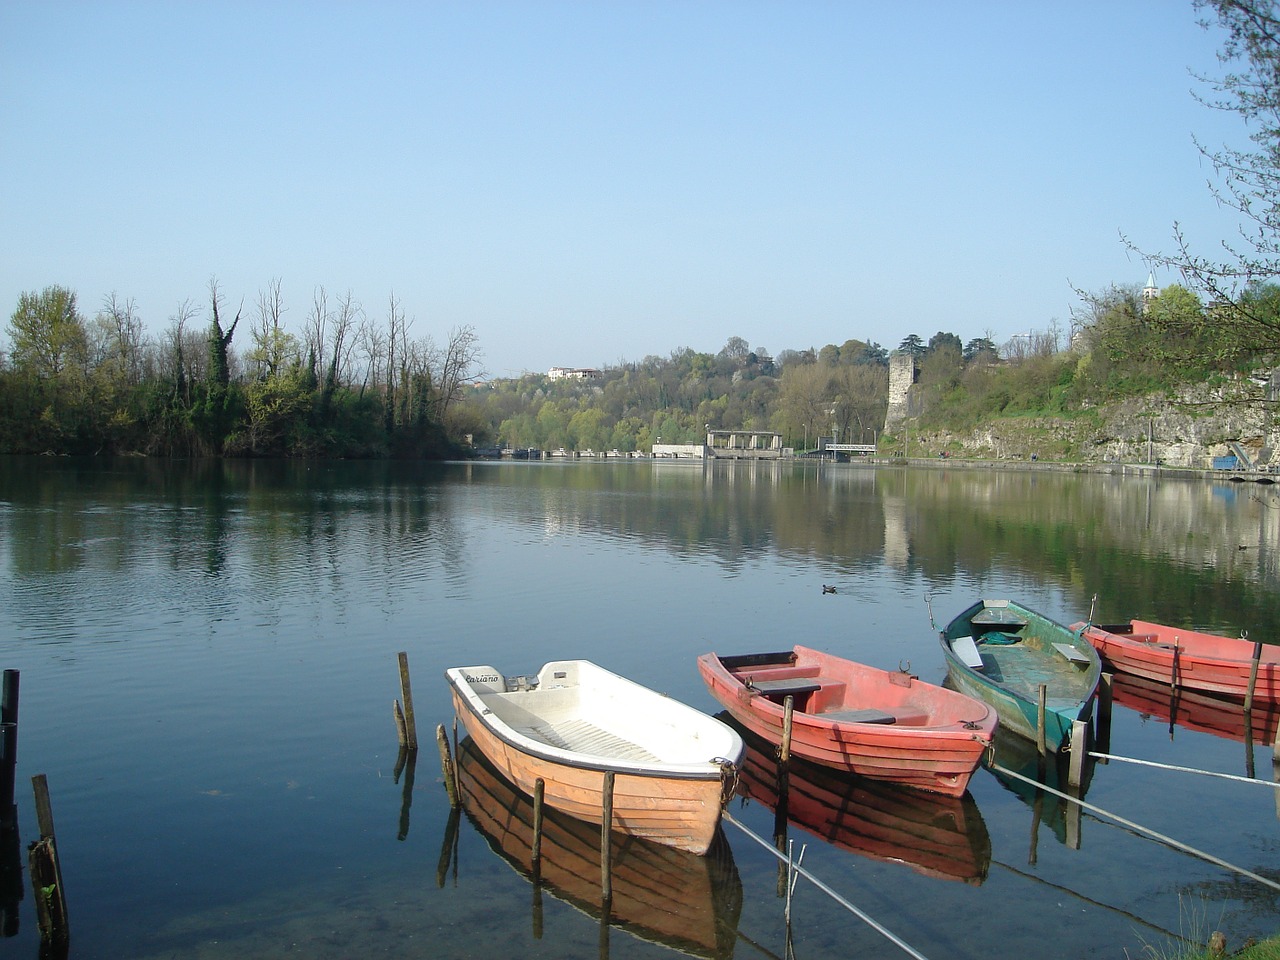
(1188, 659)
(886, 725)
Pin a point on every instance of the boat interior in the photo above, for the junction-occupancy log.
(778, 676)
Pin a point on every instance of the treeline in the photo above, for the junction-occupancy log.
(1121, 343)
(350, 386)
(347, 386)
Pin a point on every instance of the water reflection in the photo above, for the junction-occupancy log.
(668, 896)
(936, 836)
(1189, 548)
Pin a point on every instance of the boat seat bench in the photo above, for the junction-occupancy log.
(791, 685)
(967, 651)
(1072, 654)
(869, 715)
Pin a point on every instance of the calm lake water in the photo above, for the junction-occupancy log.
(208, 665)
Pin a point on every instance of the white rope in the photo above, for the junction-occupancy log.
(1141, 829)
(1170, 766)
(825, 889)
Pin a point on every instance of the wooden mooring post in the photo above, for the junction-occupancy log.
(447, 766)
(1106, 697)
(535, 863)
(784, 751)
(46, 873)
(606, 842)
(8, 749)
(1042, 748)
(1253, 681)
(405, 722)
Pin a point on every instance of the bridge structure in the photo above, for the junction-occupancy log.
(863, 448)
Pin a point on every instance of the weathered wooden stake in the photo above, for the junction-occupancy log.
(406, 695)
(606, 847)
(1041, 743)
(1253, 680)
(8, 749)
(9, 698)
(539, 789)
(402, 732)
(1079, 752)
(1105, 700)
(446, 766)
(788, 707)
(46, 874)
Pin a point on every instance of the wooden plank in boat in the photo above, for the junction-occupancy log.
(967, 651)
(793, 685)
(998, 617)
(1072, 654)
(868, 715)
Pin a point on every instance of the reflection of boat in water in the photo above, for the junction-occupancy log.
(661, 894)
(933, 834)
(1220, 716)
(1017, 754)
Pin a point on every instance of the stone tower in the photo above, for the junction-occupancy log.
(902, 377)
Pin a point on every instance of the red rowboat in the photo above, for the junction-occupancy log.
(855, 718)
(1204, 662)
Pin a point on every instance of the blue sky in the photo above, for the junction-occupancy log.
(590, 182)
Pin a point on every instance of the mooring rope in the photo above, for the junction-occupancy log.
(1177, 769)
(879, 928)
(1141, 829)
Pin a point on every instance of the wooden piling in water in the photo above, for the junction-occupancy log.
(402, 732)
(447, 766)
(1041, 743)
(539, 790)
(606, 846)
(1079, 752)
(8, 749)
(1253, 682)
(46, 874)
(1105, 699)
(406, 695)
(784, 750)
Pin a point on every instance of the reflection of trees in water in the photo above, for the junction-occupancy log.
(1179, 551)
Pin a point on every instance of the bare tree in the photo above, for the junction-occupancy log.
(119, 339)
(316, 334)
(273, 345)
(459, 364)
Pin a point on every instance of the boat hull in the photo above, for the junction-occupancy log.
(934, 740)
(676, 803)
(1203, 662)
(1017, 650)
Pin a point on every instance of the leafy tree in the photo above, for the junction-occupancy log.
(735, 349)
(979, 349)
(874, 355)
(942, 340)
(48, 333)
(1249, 176)
(913, 345)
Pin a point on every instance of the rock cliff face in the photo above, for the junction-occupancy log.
(1185, 429)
